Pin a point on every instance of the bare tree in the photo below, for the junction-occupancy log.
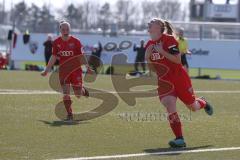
(167, 9)
(33, 18)
(88, 15)
(94, 14)
(104, 17)
(147, 11)
(46, 21)
(126, 11)
(19, 15)
(2, 13)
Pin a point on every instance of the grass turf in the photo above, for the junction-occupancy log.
(30, 130)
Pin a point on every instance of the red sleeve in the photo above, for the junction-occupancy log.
(79, 48)
(54, 48)
(172, 46)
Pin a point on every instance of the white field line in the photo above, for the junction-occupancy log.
(155, 153)
(37, 92)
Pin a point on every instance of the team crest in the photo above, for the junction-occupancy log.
(71, 45)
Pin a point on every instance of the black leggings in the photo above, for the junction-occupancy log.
(184, 60)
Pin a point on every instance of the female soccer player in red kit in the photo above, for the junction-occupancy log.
(70, 53)
(162, 54)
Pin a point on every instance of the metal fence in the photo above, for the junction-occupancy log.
(193, 30)
(210, 30)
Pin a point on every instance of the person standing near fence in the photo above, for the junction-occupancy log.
(48, 48)
(140, 58)
(95, 58)
(183, 48)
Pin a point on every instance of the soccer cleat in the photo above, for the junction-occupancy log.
(69, 118)
(85, 92)
(177, 143)
(208, 108)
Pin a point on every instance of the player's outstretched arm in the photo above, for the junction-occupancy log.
(84, 61)
(89, 69)
(49, 65)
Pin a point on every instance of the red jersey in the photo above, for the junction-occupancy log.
(173, 79)
(66, 50)
(170, 45)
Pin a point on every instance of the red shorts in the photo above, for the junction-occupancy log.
(179, 85)
(74, 79)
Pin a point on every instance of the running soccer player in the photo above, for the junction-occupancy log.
(70, 53)
(162, 53)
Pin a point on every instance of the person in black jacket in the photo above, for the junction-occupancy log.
(140, 57)
(48, 48)
(95, 57)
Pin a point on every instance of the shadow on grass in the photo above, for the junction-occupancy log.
(170, 151)
(62, 123)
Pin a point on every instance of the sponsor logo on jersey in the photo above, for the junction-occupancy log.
(66, 53)
(156, 56)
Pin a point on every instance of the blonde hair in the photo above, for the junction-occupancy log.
(64, 23)
(166, 25)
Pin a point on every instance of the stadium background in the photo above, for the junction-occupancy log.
(29, 128)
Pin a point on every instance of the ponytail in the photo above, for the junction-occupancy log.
(169, 28)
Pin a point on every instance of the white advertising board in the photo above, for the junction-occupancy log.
(205, 53)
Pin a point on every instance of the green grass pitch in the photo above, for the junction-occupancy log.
(29, 128)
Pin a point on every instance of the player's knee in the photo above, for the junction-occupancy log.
(167, 103)
(66, 97)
